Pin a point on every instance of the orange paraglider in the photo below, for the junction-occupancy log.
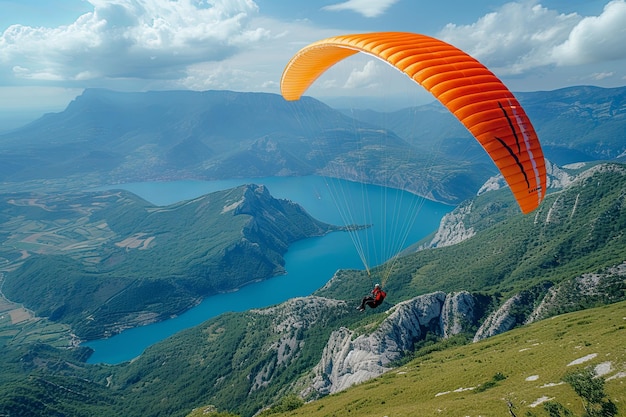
(466, 87)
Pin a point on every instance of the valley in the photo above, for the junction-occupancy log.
(87, 264)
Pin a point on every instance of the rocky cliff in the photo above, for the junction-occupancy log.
(585, 198)
(583, 291)
(453, 228)
(471, 216)
(586, 290)
(350, 358)
(288, 321)
(353, 356)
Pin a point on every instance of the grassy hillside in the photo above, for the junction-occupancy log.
(525, 367)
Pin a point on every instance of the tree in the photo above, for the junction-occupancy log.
(288, 403)
(591, 390)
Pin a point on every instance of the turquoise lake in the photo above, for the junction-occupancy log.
(397, 220)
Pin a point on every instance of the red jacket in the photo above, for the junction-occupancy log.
(379, 295)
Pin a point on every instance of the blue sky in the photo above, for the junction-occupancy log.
(50, 51)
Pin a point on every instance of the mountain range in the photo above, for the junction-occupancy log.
(487, 270)
(574, 124)
(111, 137)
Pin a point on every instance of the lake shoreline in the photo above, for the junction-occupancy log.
(308, 263)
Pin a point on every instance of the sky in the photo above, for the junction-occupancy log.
(50, 51)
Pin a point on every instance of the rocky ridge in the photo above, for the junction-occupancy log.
(602, 286)
(458, 226)
(288, 320)
(351, 358)
(348, 360)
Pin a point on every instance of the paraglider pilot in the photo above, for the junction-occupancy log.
(373, 300)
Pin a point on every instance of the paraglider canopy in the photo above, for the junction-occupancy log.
(466, 87)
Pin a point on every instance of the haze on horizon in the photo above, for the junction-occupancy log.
(50, 52)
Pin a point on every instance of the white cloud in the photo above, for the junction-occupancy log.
(367, 8)
(523, 36)
(132, 38)
(602, 75)
(596, 38)
(258, 68)
(229, 44)
(216, 76)
(516, 37)
(368, 77)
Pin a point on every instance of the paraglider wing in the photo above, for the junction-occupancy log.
(465, 86)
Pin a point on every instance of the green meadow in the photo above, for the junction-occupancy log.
(513, 374)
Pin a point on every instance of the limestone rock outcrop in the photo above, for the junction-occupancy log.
(349, 358)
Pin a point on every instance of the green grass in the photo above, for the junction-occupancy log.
(521, 367)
